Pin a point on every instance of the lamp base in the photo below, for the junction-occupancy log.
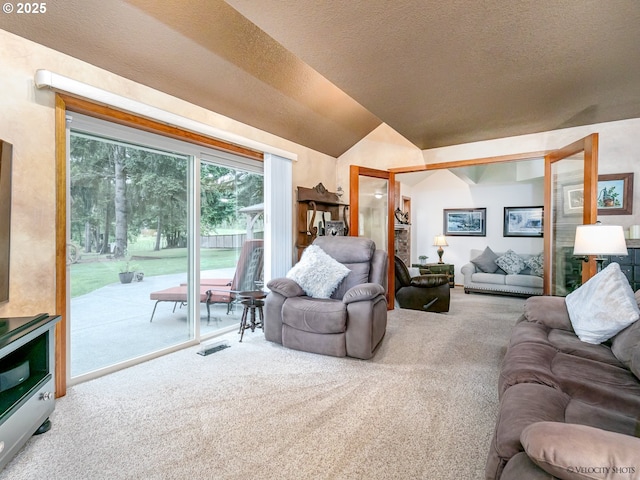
(440, 252)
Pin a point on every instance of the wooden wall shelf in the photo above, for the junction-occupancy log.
(316, 206)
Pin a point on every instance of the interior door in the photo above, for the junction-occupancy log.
(571, 179)
(371, 198)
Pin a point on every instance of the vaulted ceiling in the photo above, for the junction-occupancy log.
(325, 74)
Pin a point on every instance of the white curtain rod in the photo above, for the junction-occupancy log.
(54, 81)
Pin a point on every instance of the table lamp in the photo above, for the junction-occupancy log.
(440, 241)
(599, 240)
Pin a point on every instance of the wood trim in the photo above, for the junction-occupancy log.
(590, 212)
(391, 241)
(64, 102)
(588, 145)
(61, 245)
(471, 162)
(354, 201)
(110, 114)
(354, 191)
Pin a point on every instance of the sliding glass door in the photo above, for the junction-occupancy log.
(161, 236)
(231, 237)
(128, 229)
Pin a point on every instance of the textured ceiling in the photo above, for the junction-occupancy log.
(327, 73)
(444, 73)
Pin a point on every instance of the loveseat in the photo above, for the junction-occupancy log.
(483, 275)
(568, 409)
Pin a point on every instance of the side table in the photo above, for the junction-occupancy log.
(442, 268)
(252, 301)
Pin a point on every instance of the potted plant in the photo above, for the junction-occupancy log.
(127, 270)
(423, 259)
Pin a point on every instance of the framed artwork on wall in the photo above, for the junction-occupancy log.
(614, 195)
(522, 222)
(465, 222)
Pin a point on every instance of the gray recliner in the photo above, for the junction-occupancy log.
(350, 323)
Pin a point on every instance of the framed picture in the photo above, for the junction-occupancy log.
(572, 199)
(523, 221)
(465, 222)
(615, 194)
(334, 228)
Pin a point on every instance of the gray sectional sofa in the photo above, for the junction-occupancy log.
(568, 409)
(523, 283)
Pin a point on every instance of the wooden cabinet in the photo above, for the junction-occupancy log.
(441, 268)
(629, 264)
(320, 212)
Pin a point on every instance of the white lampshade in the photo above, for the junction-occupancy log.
(440, 241)
(599, 240)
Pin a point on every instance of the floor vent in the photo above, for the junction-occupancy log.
(209, 348)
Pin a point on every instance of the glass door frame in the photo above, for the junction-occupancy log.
(588, 145)
(355, 171)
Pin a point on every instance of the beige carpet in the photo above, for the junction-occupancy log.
(423, 408)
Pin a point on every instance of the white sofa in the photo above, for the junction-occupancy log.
(521, 284)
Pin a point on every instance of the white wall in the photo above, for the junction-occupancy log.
(443, 190)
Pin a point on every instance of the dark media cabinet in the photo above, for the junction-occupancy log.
(27, 383)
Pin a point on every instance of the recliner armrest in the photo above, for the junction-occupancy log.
(285, 287)
(429, 281)
(549, 311)
(362, 292)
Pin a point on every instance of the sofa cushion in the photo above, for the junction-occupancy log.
(562, 340)
(495, 278)
(315, 315)
(486, 261)
(521, 406)
(580, 452)
(626, 342)
(536, 264)
(317, 273)
(603, 306)
(524, 281)
(510, 262)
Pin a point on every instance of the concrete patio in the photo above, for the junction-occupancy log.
(111, 324)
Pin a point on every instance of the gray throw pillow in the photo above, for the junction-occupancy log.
(511, 262)
(486, 261)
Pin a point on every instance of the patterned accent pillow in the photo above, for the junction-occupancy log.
(317, 273)
(536, 264)
(510, 262)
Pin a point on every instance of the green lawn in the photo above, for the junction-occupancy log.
(95, 271)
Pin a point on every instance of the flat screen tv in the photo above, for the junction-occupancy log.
(6, 150)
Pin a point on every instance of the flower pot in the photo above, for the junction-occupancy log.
(126, 277)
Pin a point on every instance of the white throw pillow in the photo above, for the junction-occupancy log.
(603, 306)
(317, 273)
